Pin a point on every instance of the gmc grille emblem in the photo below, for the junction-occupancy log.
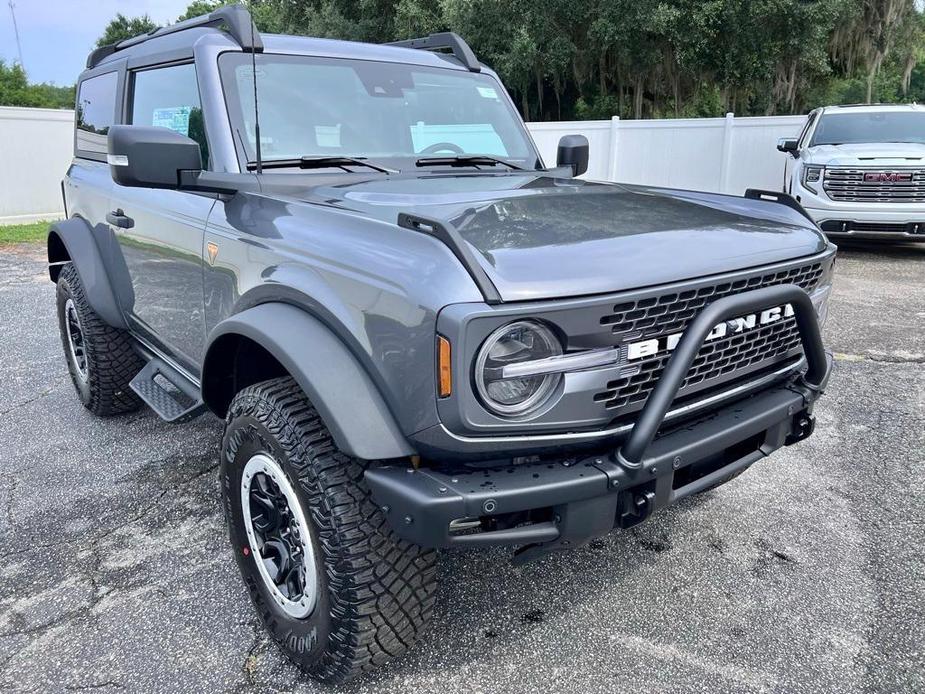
(887, 177)
(648, 348)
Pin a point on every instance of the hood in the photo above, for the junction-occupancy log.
(542, 237)
(872, 154)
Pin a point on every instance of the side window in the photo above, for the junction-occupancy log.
(96, 111)
(168, 97)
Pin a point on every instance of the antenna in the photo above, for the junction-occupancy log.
(16, 31)
(256, 109)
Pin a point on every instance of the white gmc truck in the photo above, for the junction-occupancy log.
(860, 170)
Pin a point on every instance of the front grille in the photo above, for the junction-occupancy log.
(834, 225)
(875, 185)
(718, 361)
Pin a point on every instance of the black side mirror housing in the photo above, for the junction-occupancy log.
(147, 157)
(574, 152)
(788, 145)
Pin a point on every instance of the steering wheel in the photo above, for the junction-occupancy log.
(442, 147)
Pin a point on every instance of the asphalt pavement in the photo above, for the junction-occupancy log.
(806, 574)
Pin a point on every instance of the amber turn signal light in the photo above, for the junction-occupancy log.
(444, 371)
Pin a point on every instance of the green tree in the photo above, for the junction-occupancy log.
(16, 90)
(200, 7)
(122, 27)
(14, 87)
(642, 58)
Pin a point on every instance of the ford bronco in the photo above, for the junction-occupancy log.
(418, 335)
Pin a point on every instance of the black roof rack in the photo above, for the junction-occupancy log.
(235, 17)
(442, 41)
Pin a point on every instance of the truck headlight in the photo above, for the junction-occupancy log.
(812, 174)
(516, 342)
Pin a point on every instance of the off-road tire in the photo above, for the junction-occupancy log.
(375, 591)
(111, 361)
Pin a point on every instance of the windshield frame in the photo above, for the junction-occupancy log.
(234, 114)
(858, 115)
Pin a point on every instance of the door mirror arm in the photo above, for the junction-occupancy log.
(198, 181)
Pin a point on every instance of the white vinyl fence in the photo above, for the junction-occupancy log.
(724, 155)
(36, 146)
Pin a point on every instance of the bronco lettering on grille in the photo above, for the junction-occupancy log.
(648, 348)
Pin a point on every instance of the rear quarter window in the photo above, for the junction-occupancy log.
(96, 111)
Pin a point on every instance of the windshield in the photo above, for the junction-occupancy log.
(389, 113)
(858, 128)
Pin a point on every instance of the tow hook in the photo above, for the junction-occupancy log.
(803, 425)
(636, 507)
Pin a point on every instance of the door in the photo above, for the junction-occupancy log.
(88, 184)
(160, 232)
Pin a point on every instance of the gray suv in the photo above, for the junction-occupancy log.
(417, 334)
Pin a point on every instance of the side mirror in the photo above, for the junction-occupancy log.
(147, 157)
(574, 152)
(788, 145)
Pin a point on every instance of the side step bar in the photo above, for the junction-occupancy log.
(168, 392)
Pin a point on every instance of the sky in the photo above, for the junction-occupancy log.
(57, 35)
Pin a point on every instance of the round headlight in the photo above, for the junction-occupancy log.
(515, 343)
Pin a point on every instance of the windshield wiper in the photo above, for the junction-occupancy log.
(466, 160)
(320, 163)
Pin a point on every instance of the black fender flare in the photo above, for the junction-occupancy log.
(74, 240)
(338, 386)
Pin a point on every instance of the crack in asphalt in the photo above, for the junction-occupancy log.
(119, 526)
(48, 391)
(11, 493)
(249, 667)
(154, 504)
(94, 685)
(97, 593)
(92, 572)
(882, 358)
(42, 628)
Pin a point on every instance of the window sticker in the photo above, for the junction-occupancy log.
(327, 135)
(472, 138)
(488, 92)
(176, 118)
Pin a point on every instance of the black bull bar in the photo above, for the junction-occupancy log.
(587, 497)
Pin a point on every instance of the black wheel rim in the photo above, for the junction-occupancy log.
(75, 340)
(278, 534)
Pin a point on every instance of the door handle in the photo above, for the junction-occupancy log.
(118, 219)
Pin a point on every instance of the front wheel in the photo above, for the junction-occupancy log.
(334, 586)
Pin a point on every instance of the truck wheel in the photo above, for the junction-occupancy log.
(100, 358)
(334, 586)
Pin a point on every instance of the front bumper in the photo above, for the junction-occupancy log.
(591, 496)
(564, 502)
(886, 221)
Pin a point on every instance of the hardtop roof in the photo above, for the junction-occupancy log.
(278, 43)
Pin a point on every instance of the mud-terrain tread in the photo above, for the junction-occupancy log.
(112, 361)
(381, 588)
